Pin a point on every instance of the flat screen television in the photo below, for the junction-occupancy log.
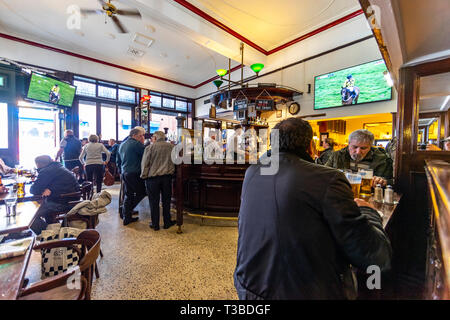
(356, 85)
(50, 90)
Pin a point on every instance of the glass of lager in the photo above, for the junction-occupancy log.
(366, 182)
(355, 182)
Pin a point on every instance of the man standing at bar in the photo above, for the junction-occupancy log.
(361, 154)
(300, 229)
(130, 153)
(157, 170)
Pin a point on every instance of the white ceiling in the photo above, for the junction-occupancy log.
(180, 50)
(271, 23)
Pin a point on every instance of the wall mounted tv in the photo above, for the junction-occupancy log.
(356, 85)
(49, 90)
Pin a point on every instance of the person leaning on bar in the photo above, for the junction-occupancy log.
(300, 228)
(361, 154)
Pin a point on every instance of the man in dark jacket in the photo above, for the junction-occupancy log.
(130, 157)
(360, 154)
(70, 148)
(328, 144)
(298, 241)
(52, 181)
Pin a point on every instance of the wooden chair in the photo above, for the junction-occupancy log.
(57, 287)
(87, 190)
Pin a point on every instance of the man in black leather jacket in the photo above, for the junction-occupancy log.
(300, 229)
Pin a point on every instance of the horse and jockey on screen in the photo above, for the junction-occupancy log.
(349, 92)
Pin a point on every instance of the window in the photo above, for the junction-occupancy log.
(181, 105)
(168, 103)
(124, 120)
(3, 126)
(155, 100)
(107, 92)
(108, 118)
(2, 81)
(85, 88)
(127, 96)
(87, 114)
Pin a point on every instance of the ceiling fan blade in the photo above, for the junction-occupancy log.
(119, 25)
(91, 11)
(130, 13)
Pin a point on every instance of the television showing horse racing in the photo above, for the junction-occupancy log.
(355, 85)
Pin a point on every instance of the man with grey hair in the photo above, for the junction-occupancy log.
(52, 181)
(70, 149)
(361, 154)
(157, 170)
(130, 156)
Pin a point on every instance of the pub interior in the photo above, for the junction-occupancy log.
(215, 81)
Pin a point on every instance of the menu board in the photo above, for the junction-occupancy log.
(264, 104)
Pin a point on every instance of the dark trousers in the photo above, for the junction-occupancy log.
(159, 187)
(44, 215)
(97, 170)
(76, 163)
(134, 189)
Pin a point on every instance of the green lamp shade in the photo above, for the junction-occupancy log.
(221, 72)
(218, 83)
(257, 67)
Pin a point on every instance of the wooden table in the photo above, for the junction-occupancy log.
(26, 197)
(12, 273)
(25, 215)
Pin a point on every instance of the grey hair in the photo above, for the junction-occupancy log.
(362, 135)
(140, 128)
(43, 161)
(159, 135)
(135, 131)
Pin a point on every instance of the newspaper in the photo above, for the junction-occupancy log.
(14, 248)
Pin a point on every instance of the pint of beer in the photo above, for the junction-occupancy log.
(366, 182)
(355, 181)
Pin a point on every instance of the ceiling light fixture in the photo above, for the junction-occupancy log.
(256, 67)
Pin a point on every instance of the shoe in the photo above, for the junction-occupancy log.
(126, 221)
(135, 213)
(153, 226)
(171, 223)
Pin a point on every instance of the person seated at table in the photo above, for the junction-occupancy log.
(361, 154)
(53, 180)
(4, 169)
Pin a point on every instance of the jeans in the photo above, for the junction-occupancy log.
(98, 170)
(159, 187)
(134, 189)
(44, 215)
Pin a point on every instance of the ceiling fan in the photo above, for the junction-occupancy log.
(112, 12)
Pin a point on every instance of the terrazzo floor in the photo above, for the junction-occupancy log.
(140, 263)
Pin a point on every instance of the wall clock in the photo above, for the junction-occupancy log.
(294, 108)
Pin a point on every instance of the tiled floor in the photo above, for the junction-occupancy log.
(140, 263)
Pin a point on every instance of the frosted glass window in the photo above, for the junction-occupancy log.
(155, 101)
(107, 92)
(3, 126)
(108, 116)
(181, 105)
(168, 103)
(127, 96)
(85, 88)
(124, 120)
(87, 114)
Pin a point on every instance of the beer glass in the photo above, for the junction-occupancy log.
(366, 182)
(355, 182)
